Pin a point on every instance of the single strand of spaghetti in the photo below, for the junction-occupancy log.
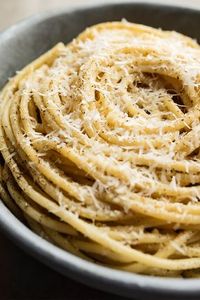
(90, 247)
(64, 243)
(145, 238)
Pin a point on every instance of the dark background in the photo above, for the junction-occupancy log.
(24, 278)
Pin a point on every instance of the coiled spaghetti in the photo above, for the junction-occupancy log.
(100, 145)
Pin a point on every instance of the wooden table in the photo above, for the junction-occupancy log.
(22, 277)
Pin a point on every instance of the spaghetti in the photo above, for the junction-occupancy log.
(100, 146)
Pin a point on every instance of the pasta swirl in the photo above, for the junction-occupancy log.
(100, 146)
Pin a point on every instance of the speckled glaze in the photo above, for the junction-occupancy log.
(25, 41)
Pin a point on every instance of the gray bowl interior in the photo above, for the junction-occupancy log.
(25, 41)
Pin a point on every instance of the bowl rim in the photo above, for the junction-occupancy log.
(87, 272)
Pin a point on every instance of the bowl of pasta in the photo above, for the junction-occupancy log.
(99, 142)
